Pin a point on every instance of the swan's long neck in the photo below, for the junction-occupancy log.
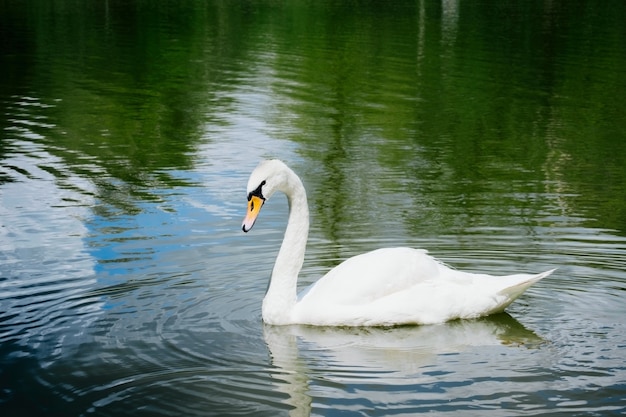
(281, 294)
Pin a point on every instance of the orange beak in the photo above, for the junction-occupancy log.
(254, 208)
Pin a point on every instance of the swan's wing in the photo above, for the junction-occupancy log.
(371, 276)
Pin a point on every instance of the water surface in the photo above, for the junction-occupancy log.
(491, 135)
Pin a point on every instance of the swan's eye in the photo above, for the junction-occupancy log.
(257, 193)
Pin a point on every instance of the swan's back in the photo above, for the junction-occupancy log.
(394, 286)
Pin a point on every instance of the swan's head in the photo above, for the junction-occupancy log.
(267, 178)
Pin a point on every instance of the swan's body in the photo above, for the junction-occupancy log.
(385, 287)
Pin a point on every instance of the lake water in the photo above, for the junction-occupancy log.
(492, 134)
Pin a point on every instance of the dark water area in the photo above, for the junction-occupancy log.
(491, 134)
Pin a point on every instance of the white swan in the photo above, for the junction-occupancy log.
(385, 287)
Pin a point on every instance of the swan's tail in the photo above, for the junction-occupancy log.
(515, 290)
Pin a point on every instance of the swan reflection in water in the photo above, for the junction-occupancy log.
(311, 359)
